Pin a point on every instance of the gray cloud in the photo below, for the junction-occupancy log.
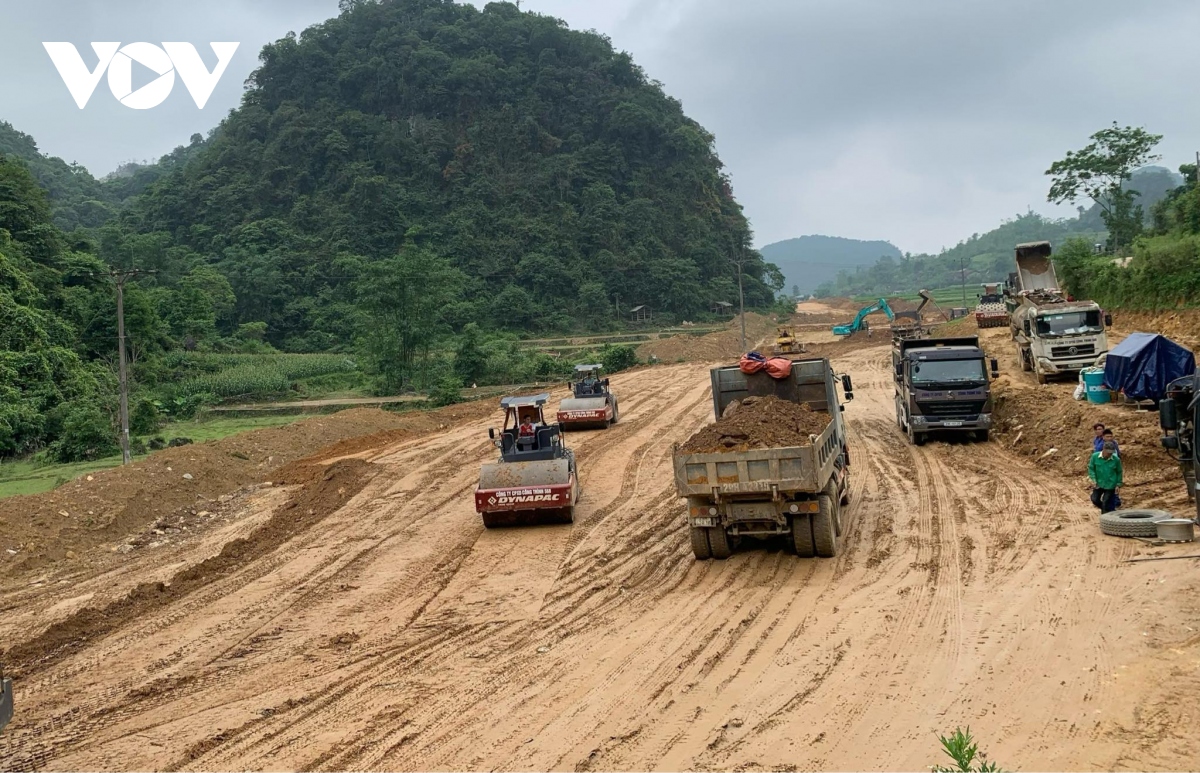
(106, 133)
(920, 122)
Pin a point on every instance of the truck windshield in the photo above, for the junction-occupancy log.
(1069, 323)
(991, 299)
(948, 374)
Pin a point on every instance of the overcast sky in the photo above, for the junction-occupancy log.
(920, 122)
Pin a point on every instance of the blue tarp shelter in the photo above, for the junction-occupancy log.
(1143, 364)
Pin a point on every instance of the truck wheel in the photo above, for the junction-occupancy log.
(718, 541)
(490, 521)
(835, 497)
(700, 543)
(802, 536)
(983, 435)
(568, 515)
(824, 527)
(1025, 367)
(1041, 378)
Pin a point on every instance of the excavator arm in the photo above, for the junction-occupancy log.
(856, 325)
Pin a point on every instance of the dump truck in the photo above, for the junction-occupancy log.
(942, 386)
(1179, 417)
(535, 480)
(991, 310)
(592, 405)
(795, 492)
(1053, 333)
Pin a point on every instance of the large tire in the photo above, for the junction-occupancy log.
(824, 527)
(1132, 523)
(834, 497)
(802, 536)
(1041, 378)
(982, 435)
(914, 437)
(1025, 366)
(700, 544)
(567, 515)
(718, 541)
(490, 520)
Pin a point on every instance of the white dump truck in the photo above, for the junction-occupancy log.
(1054, 334)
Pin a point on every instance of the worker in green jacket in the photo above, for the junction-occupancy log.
(1107, 476)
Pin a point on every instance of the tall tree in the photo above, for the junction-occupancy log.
(1099, 171)
(403, 300)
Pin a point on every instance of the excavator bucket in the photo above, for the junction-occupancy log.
(527, 492)
(585, 413)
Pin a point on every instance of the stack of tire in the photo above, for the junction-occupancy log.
(1133, 523)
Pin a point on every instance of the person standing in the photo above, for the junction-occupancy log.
(1107, 476)
(1109, 437)
(1098, 440)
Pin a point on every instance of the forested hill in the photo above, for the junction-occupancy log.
(809, 261)
(537, 165)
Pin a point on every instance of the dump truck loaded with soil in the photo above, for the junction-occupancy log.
(775, 463)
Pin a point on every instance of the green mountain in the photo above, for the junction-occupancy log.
(808, 262)
(542, 165)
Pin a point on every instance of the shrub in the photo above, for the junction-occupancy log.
(87, 434)
(617, 358)
(447, 391)
(144, 417)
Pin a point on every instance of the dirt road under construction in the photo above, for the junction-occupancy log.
(385, 628)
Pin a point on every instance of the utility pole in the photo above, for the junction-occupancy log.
(962, 266)
(119, 277)
(741, 294)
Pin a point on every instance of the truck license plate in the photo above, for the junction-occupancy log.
(953, 424)
(704, 521)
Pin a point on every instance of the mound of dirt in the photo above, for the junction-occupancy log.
(759, 422)
(108, 505)
(322, 494)
(1047, 424)
(721, 346)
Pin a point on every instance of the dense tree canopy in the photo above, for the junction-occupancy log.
(538, 161)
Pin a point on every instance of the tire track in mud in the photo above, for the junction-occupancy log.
(635, 655)
(625, 415)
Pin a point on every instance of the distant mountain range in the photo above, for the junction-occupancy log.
(809, 261)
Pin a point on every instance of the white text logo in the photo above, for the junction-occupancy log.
(118, 61)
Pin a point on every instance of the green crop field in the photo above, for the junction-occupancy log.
(248, 375)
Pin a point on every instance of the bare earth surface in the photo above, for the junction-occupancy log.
(387, 629)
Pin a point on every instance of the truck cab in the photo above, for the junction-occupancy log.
(942, 385)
